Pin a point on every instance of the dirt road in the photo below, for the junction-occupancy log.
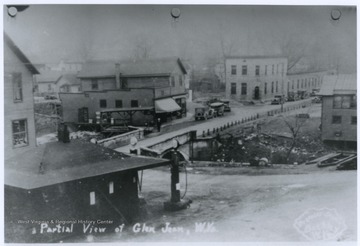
(245, 208)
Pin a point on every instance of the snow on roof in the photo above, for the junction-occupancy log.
(338, 84)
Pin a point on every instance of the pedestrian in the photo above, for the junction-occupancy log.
(159, 124)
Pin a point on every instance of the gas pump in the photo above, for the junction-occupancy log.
(175, 203)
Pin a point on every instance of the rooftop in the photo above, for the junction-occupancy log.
(48, 76)
(338, 84)
(63, 162)
(71, 79)
(149, 67)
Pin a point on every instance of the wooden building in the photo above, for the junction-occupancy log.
(339, 109)
(19, 123)
(157, 85)
(73, 182)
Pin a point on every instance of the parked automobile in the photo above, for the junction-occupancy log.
(226, 103)
(218, 108)
(316, 100)
(292, 97)
(279, 99)
(204, 113)
(314, 92)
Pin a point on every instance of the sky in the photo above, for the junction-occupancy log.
(48, 33)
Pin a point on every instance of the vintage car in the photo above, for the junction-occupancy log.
(218, 108)
(204, 113)
(226, 103)
(279, 99)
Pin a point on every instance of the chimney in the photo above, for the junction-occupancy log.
(117, 75)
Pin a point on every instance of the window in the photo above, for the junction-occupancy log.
(103, 103)
(233, 69)
(257, 70)
(272, 87)
(172, 81)
(298, 82)
(118, 104)
(111, 187)
(19, 131)
(244, 70)
(273, 69)
(92, 198)
(243, 88)
(265, 88)
(292, 85)
(162, 92)
(134, 103)
(17, 87)
(282, 69)
(94, 84)
(353, 120)
(336, 119)
(277, 68)
(49, 87)
(277, 86)
(265, 69)
(124, 83)
(345, 102)
(180, 80)
(305, 83)
(233, 88)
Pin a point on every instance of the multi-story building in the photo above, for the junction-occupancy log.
(133, 92)
(255, 77)
(19, 123)
(339, 117)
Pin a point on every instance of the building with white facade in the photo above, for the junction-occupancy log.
(255, 77)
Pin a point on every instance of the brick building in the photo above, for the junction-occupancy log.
(339, 115)
(255, 77)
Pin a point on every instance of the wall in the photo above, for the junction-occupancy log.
(43, 88)
(122, 139)
(315, 80)
(18, 110)
(103, 84)
(71, 102)
(328, 129)
(71, 201)
(253, 80)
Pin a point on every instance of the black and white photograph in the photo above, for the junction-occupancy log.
(179, 123)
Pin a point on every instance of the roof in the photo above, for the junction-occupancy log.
(48, 77)
(163, 66)
(139, 68)
(64, 162)
(256, 57)
(289, 73)
(338, 84)
(71, 79)
(98, 69)
(20, 54)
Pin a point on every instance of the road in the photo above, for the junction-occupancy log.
(237, 113)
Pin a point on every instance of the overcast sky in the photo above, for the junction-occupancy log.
(48, 33)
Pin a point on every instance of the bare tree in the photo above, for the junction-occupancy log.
(294, 125)
(227, 45)
(293, 48)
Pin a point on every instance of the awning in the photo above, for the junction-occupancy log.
(166, 105)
